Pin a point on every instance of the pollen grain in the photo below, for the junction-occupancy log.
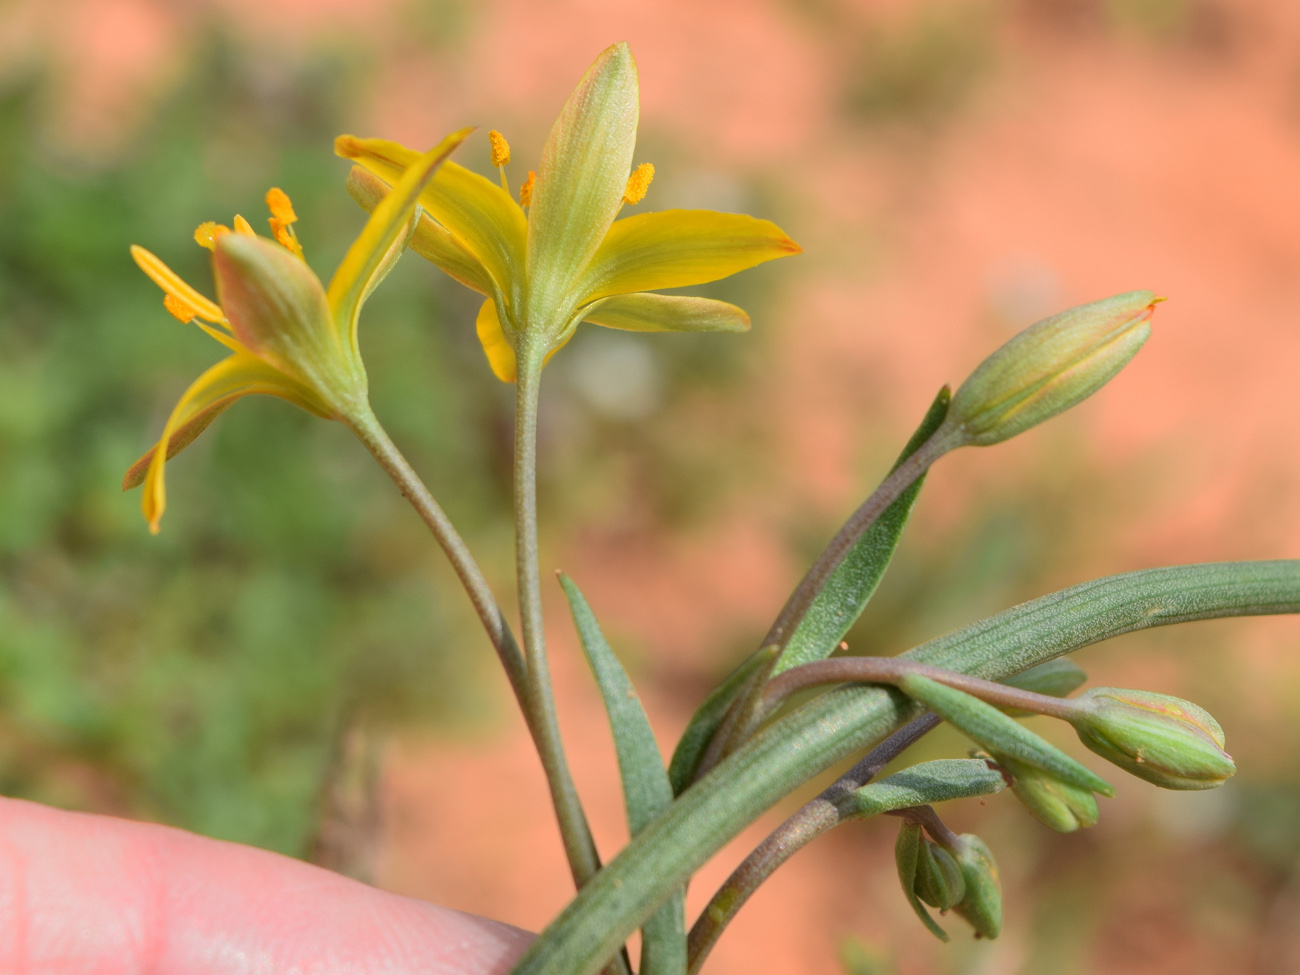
(638, 183)
(500, 148)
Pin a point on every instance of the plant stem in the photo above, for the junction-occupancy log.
(811, 821)
(889, 670)
(539, 699)
(368, 429)
(947, 437)
(812, 738)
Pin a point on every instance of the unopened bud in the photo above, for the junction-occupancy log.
(1169, 742)
(939, 881)
(1050, 367)
(1053, 802)
(981, 906)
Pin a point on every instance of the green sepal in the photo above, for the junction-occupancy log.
(645, 783)
(907, 856)
(997, 733)
(847, 592)
(982, 905)
(922, 785)
(708, 717)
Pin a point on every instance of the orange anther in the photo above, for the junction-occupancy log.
(206, 234)
(638, 183)
(278, 200)
(500, 148)
(178, 308)
(526, 191)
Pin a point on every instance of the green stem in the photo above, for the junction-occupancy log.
(833, 726)
(815, 818)
(948, 437)
(369, 431)
(539, 700)
(890, 670)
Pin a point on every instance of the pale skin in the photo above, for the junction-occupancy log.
(93, 894)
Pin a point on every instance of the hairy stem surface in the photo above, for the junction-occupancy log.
(539, 700)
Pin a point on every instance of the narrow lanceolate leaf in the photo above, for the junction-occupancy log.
(708, 718)
(645, 783)
(842, 722)
(852, 585)
(1000, 734)
(923, 785)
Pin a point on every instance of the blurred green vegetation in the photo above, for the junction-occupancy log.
(199, 677)
(206, 676)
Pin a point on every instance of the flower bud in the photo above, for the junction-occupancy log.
(981, 906)
(1169, 742)
(1055, 803)
(1050, 367)
(939, 881)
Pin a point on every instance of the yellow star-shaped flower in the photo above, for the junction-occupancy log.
(559, 256)
(289, 336)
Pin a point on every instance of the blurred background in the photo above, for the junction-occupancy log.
(291, 664)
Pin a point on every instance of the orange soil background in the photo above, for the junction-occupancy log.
(1092, 154)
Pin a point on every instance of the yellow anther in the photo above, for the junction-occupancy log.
(242, 226)
(206, 233)
(285, 235)
(278, 200)
(526, 191)
(638, 183)
(500, 148)
(178, 308)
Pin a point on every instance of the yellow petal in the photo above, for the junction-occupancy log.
(205, 400)
(431, 240)
(500, 356)
(482, 216)
(666, 313)
(171, 283)
(581, 178)
(383, 238)
(680, 248)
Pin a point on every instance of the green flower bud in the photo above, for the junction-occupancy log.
(939, 881)
(1055, 803)
(1165, 740)
(1050, 367)
(981, 906)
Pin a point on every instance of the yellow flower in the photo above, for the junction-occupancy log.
(567, 259)
(289, 336)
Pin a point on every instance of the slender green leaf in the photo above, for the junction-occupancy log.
(645, 783)
(847, 592)
(844, 721)
(922, 785)
(708, 717)
(1000, 734)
